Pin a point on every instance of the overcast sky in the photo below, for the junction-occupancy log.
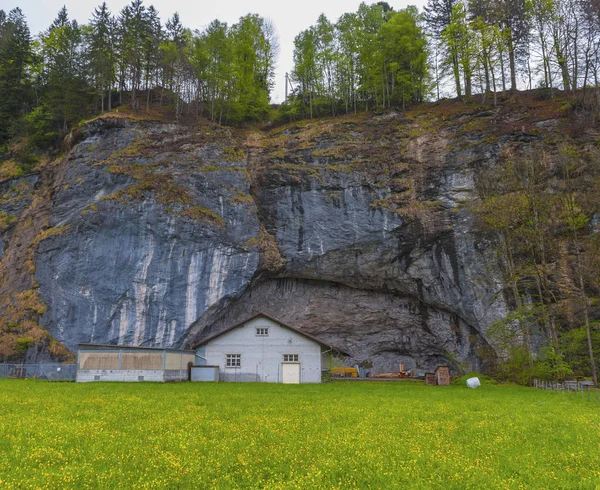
(290, 17)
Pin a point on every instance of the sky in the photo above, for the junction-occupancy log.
(289, 17)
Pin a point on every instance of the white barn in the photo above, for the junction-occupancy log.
(265, 349)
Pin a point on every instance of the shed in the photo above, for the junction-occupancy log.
(430, 379)
(205, 373)
(128, 363)
(262, 348)
(442, 376)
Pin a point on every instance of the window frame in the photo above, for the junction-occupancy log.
(291, 358)
(261, 331)
(233, 361)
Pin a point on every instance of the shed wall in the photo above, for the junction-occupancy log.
(205, 373)
(173, 361)
(142, 360)
(99, 360)
(132, 365)
(119, 375)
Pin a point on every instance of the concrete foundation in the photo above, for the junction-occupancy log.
(130, 375)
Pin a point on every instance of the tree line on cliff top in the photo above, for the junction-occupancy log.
(371, 59)
(72, 71)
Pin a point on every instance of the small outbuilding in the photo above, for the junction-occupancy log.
(442, 376)
(127, 363)
(262, 348)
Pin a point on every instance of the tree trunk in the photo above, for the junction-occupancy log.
(456, 71)
(512, 64)
(586, 318)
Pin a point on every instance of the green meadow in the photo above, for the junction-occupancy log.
(337, 435)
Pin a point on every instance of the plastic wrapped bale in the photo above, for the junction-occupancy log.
(473, 383)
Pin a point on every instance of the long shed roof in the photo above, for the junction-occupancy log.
(131, 347)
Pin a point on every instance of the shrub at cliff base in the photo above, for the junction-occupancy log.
(339, 435)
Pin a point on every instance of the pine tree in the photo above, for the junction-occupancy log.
(65, 89)
(102, 53)
(15, 56)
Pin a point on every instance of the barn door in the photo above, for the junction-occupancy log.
(291, 372)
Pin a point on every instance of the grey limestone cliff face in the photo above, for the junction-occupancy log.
(165, 234)
(140, 272)
(382, 284)
(15, 196)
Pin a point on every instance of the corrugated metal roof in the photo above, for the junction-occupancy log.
(259, 314)
(131, 347)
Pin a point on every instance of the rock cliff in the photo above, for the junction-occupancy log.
(355, 229)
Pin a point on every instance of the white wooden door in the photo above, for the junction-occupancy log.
(291, 372)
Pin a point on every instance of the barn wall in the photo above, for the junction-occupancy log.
(142, 360)
(261, 357)
(99, 360)
(173, 361)
(176, 375)
(123, 364)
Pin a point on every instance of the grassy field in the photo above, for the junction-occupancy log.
(341, 435)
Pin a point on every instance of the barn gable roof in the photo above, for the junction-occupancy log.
(269, 317)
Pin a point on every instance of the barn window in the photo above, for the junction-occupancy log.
(233, 360)
(262, 332)
(290, 358)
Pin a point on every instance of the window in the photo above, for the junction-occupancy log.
(262, 332)
(290, 358)
(233, 360)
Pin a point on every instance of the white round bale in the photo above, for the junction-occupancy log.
(473, 382)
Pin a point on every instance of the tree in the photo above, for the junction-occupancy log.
(15, 57)
(458, 37)
(102, 52)
(251, 97)
(65, 91)
(305, 67)
(134, 28)
(438, 16)
(403, 45)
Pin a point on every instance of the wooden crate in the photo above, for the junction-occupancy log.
(442, 376)
(430, 379)
(344, 372)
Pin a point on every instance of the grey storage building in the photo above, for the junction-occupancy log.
(124, 363)
(205, 373)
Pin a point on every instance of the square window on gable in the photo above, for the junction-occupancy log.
(262, 332)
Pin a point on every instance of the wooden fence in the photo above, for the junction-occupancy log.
(571, 388)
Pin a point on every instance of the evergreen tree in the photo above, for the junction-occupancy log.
(15, 56)
(102, 53)
(65, 94)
